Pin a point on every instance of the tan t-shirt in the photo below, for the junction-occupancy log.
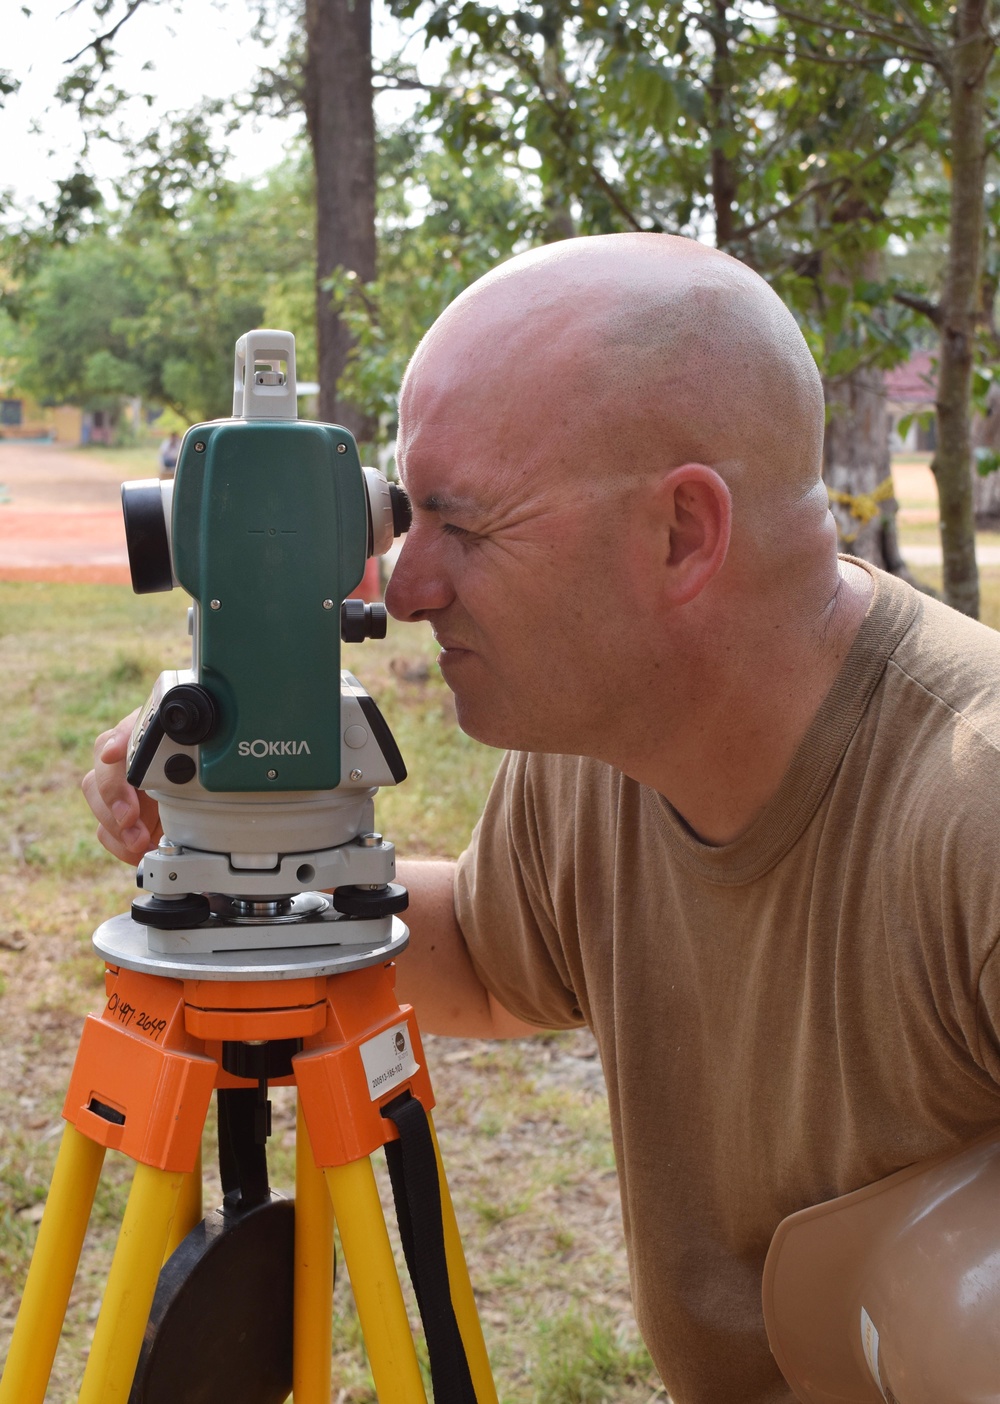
(783, 1018)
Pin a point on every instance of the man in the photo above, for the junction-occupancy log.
(169, 450)
(746, 828)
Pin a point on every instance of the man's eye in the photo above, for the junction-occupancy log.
(450, 529)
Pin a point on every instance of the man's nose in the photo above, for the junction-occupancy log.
(417, 586)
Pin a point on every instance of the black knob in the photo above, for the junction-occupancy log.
(360, 621)
(172, 913)
(179, 768)
(402, 512)
(368, 903)
(189, 714)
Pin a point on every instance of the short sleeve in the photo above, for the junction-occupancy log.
(504, 907)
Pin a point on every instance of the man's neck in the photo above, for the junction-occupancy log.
(725, 764)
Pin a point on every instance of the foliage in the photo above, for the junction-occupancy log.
(784, 131)
(808, 139)
(83, 300)
(152, 304)
(444, 220)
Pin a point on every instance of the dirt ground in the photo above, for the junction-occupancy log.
(60, 516)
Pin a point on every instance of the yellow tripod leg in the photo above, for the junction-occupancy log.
(189, 1209)
(375, 1282)
(313, 1319)
(462, 1298)
(53, 1268)
(131, 1284)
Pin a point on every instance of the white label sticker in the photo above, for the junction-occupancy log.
(869, 1344)
(388, 1059)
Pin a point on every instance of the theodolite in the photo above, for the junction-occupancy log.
(263, 757)
(261, 951)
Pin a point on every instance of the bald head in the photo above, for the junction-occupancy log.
(665, 348)
(613, 449)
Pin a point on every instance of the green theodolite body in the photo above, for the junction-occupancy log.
(269, 536)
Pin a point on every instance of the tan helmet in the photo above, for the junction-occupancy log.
(893, 1292)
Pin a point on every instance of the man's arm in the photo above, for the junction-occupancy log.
(434, 973)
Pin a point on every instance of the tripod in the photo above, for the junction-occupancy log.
(325, 1019)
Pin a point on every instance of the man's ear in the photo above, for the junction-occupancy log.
(696, 510)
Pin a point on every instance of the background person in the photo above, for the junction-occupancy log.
(169, 450)
(746, 828)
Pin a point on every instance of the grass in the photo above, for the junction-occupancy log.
(138, 460)
(523, 1125)
(581, 1361)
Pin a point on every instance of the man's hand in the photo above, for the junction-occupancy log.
(128, 821)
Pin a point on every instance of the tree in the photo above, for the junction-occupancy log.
(955, 44)
(473, 214)
(76, 345)
(961, 309)
(341, 126)
(144, 306)
(330, 79)
(719, 116)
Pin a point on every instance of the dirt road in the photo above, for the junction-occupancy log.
(60, 516)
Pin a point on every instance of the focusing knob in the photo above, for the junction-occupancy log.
(189, 714)
(360, 621)
(402, 512)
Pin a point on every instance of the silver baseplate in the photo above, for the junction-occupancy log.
(122, 941)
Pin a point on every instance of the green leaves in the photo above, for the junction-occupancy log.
(444, 220)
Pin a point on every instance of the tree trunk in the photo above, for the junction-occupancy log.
(960, 304)
(341, 126)
(559, 221)
(725, 178)
(856, 460)
(986, 435)
(856, 468)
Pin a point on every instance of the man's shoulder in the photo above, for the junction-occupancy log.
(927, 763)
(953, 664)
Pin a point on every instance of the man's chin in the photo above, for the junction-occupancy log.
(484, 724)
(474, 724)
(477, 704)
(481, 722)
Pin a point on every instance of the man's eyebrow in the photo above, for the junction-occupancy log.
(441, 502)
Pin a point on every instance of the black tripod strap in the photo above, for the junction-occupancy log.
(417, 1192)
(242, 1159)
